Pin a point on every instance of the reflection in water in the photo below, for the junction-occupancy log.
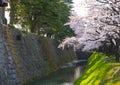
(64, 76)
(77, 72)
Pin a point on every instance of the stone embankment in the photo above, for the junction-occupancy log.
(8, 73)
(35, 56)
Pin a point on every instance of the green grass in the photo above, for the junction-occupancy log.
(101, 70)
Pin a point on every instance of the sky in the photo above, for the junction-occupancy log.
(7, 14)
(80, 7)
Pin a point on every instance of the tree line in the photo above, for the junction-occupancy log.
(42, 17)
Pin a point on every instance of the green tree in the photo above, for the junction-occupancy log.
(40, 15)
(66, 31)
(13, 8)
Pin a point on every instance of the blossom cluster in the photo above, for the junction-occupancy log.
(100, 26)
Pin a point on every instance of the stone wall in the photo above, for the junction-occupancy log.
(8, 73)
(3, 75)
(35, 56)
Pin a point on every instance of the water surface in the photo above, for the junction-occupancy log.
(64, 76)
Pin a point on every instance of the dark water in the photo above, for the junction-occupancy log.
(64, 76)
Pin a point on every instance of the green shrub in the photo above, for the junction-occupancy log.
(101, 70)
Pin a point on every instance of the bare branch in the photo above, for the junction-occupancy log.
(103, 1)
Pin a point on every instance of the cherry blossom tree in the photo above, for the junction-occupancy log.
(99, 30)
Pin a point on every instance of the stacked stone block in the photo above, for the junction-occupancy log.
(8, 74)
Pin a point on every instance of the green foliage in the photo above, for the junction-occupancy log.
(65, 32)
(101, 70)
(43, 17)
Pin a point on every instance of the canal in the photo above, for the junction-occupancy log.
(64, 76)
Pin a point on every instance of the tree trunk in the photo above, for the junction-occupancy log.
(32, 30)
(12, 12)
(117, 59)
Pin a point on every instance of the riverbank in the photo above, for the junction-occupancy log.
(35, 56)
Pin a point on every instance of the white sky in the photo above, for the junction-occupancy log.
(7, 14)
(80, 6)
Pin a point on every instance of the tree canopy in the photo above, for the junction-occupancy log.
(99, 29)
(43, 17)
